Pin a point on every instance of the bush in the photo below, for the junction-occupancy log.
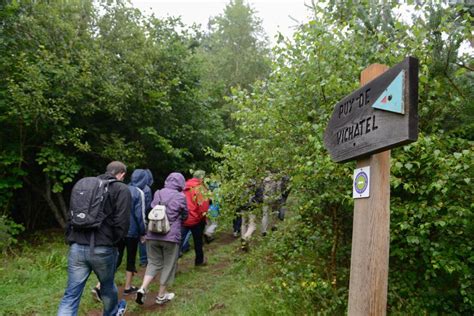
(431, 260)
(8, 230)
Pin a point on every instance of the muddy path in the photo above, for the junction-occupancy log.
(185, 264)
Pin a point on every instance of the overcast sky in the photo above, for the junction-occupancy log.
(277, 15)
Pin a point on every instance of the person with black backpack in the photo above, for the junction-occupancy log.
(99, 217)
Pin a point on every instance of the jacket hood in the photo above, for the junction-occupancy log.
(139, 178)
(150, 177)
(194, 182)
(175, 181)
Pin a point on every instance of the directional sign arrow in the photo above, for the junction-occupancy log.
(378, 116)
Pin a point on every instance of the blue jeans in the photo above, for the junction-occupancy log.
(81, 262)
(185, 244)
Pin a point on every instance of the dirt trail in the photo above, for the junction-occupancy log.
(184, 264)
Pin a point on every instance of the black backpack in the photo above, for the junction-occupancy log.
(88, 198)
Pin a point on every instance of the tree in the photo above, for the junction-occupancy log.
(234, 53)
(237, 46)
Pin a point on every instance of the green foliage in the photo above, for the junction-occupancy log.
(89, 82)
(10, 174)
(8, 232)
(432, 225)
(280, 127)
(60, 168)
(298, 277)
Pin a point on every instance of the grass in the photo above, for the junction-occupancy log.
(34, 279)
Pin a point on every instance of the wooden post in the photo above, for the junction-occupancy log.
(371, 232)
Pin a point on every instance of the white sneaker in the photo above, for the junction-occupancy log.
(97, 295)
(122, 308)
(140, 299)
(160, 300)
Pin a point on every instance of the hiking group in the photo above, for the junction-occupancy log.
(108, 218)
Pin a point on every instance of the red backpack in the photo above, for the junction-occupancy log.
(197, 203)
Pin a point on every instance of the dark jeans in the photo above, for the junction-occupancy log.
(237, 223)
(81, 262)
(142, 252)
(197, 231)
(131, 244)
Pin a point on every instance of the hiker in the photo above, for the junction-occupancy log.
(148, 199)
(284, 193)
(94, 249)
(237, 223)
(271, 199)
(198, 205)
(135, 234)
(163, 249)
(137, 229)
(254, 195)
(212, 213)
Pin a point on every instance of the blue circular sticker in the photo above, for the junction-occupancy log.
(361, 181)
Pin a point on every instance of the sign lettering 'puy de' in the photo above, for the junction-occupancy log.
(376, 117)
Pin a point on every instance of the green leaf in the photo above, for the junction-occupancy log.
(413, 240)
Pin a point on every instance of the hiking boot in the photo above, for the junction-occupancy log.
(202, 264)
(122, 308)
(140, 299)
(208, 239)
(96, 294)
(236, 234)
(160, 300)
(131, 290)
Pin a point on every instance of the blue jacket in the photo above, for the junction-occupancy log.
(148, 192)
(137, 228)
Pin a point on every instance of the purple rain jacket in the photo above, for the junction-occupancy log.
(176, 208)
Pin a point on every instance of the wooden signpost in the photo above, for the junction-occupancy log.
(380, 115)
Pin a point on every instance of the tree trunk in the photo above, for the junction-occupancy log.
(58, 212)
(62, 204)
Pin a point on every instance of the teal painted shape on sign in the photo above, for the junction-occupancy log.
(391, 98)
